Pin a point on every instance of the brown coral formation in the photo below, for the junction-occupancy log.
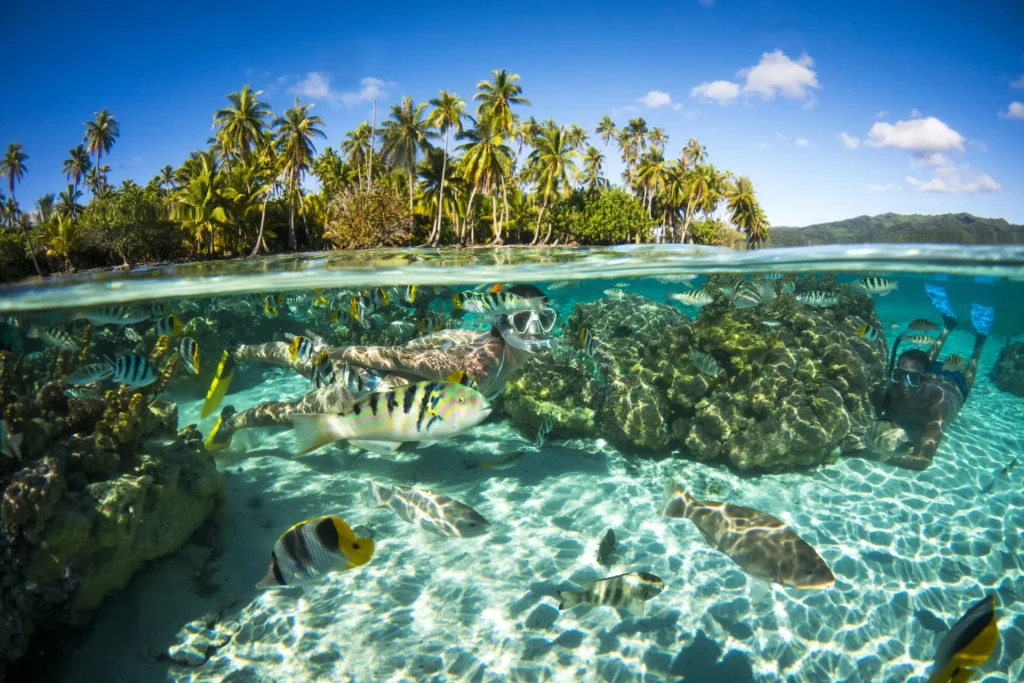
(1008, 373)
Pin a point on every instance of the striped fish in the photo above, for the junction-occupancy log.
(788, 286)
(300, 350)
(695, 299)
(565, 284)
(676, 278)
(159, 310)
(188, 349)
(270, 310)
(170, 326)
(625, 591)
(323, 370)
(543, 431)
(614, 293)
(81, 392)
(869, 332)
(771, 276)
(409, 295)
(497, 303)
(94, 372)
(132, 334)
(55, 337)
(352, 380)
(313, 548)
(587, 342)
(424, 411)
(434, 512)
(922, 325)
(401, 327)
(953, 363)
(746, 297)
(876, 285)
(134, 370)
(920, 339)
(623, 285)
(113, 315)
(818, 298)
(705, 363)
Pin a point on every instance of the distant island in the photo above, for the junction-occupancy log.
(948, 228)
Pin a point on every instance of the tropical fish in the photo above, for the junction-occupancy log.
(496, 303)
(819, 298)
(543, 431)
(967, 645)
(402, 327)
(424, 411)
(321, 302)
(323, 370)
(624, 591)
(876, 285)
(894, 326)
(352, 380)
(923, 325)
(1009, 466)
(954, 363)
(920, 339)
(623, 285)
(434, 512)
(506, 462)
(587, 342)
(771, 276)
(886, 439)
(378, 297)
(188, 349)
(462, 377)
(134, 370)
(334, 315)
(772, 324)
(457, 301)
(10, 444)
(80, 392)
(313, 548)
(788, 286)
(159, 310)
(746, 297)
(614, 293)
(869, 332)
(375, 321)
(170, 326)
(605, 550)
(695, 299)
(676, 277)
(497, 287)
(300, 350)
(409, 295)
(760, 544)
(55, 337)
(269, 309)
(219, 386)
(113, 315)
(132, 334)
(565, 284)
(94, 372)
(705, 363)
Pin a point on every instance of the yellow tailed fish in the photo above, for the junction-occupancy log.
(968, 645)
(221, 382)
(463, 378)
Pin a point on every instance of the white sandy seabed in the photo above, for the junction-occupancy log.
(910, 551)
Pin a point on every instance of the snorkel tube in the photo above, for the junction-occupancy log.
(888, 375)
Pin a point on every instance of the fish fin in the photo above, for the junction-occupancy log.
(212, 443)
(569, 599)
(313, 431)
(220, 384)
(675, 500)
(377, 495)
(14, 441)
(378, 447)
(425, 444)
(268, 581)
(636, 609)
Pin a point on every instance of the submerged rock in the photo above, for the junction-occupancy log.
(1008, 373)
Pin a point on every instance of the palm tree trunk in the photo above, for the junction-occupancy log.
(497, 233)
(465, 221)
(24, 234)
(369, 166)
(410, 191)
(263, 218)
(686, 223)
(436, 232)
(292, 245)
(540, 218)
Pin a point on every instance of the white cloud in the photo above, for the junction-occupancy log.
(628, 109)
(917, 135)
(881, 114)
(871, 187)
(849, 141)
(933, 160)
(655, 99)
(765, 145)
(978, 145)
(1014, 111)
(915, 113)
(722, 92)
(778, 74)
(801, 142)
(951, 180)
(317, 86)
(1018, 83)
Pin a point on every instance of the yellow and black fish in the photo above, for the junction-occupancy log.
(953, 363)
(334, 316)
(170, 326)
(869, 332)
(587, 342)
(269, 309)
(301, 349)
(323, 370)
(188, 349)
(221, 382)
(409, 296)
(313, 548)
(967, 645)
(320, 302)
(463, 378)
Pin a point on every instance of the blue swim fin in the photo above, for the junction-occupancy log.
(940, 300)
(982, 317)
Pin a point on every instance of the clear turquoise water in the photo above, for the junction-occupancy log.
(910, 550)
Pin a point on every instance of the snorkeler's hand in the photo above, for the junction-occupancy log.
(911, 462)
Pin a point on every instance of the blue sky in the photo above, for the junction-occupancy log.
(834, 109)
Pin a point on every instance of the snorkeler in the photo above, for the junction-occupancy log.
(488, 358)
(923, 395)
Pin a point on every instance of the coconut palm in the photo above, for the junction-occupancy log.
(694, 153)
(658, 138)
(650, 173)
(64, 237)
(76, 165)
(268, 164)
(356, 147)
(593, 162)
(100, 135)
(496, 100)
(550, 165)
(199, 202)
(577, 136)
(67, 202)
(240, 124)
(745, 211)
(447, 115)
(403, 135)
(13, 167)
(44, 206)
(606, 129)
(296, 131)
(635, 133)
(485, 161)
(166, 180)
(703, 190)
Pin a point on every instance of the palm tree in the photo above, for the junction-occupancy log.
(356, 147)
(694, 153)
(496, 100)
(606, 129)
(100, 135)
(403, 134)
(577, 136)
(239, 125)
(13, 166)
(593, 161)
(657, 138)
(703, 190)
(76, 165)
(650, 171)
(64, 235)
(449, 109)
(44, 205)
(268, 164)
(485, 161)
(296, 131)
(67, 202)
(198, 203)
(551, 164)
(745, 211)
(167, 180)
(635, 134)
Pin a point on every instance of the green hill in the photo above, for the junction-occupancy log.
(949, 228)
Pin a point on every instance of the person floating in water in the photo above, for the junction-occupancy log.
(923, 395)
(488, 359)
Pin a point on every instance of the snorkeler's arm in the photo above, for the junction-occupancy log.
(275, 353)
(922, 456)
(433, 364)
(436, 340)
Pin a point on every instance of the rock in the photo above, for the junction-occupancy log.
(1008, 373)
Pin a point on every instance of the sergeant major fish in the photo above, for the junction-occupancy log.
(760, 544)
(695, 299)
(55, 337)
(953, 363)
(614, 293)
(94, 372)
(134, 370)
(920, 339)
(434, 512)
(922, 325)
(818, 298)
(314, 548)
(705, 363)
(81, 392)
(113, 315)
(625, 591)
(495, 303)
(876, 285)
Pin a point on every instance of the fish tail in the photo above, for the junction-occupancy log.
(220, 384)
(376, 495)
(676, 500)
(569, 599)
(313, 431)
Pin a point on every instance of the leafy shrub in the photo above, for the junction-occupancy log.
(360, 219)
(714, 232)
(132, 224)
(604, 216)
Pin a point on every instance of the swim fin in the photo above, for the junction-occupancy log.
(940, 300)
(982, 317)
(220, 384)
(213, 443)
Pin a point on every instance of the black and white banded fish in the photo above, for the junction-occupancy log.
(919, 339)
(94, 372)
(313, 548)
(188, 349)
(300, 350)
(746, 296)
(113, 315)
(81, 392)
(695, 299)
(352, 380)
(565, 284)
(705, 363)
(159, 310)
(676, 277)
(587, 342)
(614, 293)
(625, 591)
(134, 370)
(771, 276)
(818, 298)
(55, 337)
(868, 332)
(132, 334)
(876, 285)
(170, 326)
(542, 433)
(496, 303)
(323, 370)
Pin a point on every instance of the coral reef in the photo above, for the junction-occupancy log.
(1008, 373)
(787, 395)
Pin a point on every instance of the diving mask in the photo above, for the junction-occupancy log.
(522, 329)
(912, 378)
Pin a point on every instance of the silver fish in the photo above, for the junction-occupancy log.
(614, 293)
(402, 327)
(695, 299)
(94, 372)
(920, 339)
(876, 285)
(605, 550)
(434, 512)
(676, 277)
(746, 297)
(55, 337)
(81, 392)
(705, 363)
(625, 591)
(113, 315)
(818, 298)
(565, 284)
(771, 276)
(494, 303)
(505, 463)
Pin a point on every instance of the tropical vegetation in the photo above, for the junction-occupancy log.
(481, 172)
